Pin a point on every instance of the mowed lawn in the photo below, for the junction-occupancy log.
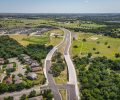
(25, 40)
(83, 48)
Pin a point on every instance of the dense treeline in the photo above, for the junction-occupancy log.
(37, 51)
(99, 78)
(111, 29)
(101, 17)
(9, 47)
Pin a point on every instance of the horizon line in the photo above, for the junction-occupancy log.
(59, 13)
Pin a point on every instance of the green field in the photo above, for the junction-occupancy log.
(93, 25)
(26, 40)
(44, 39)
(62, 78)
(11, 23)
(78, 25)
(83, 48)
(63, 94)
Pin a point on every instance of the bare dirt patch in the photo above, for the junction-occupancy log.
(94, 38)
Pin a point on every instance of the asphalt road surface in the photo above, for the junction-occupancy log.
(49, 77)
(71, 87)
(71, 69)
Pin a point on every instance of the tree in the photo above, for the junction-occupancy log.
(20, 86)
(117, 55)
(9, 98)
(32, 94)
(47, 95)
(23, 97)
(97, 52)
(84, 40)
(109, 46)
(97, 82)
(12, 87)
(89, 55)
(55, 70)
(106, 43)
(98, 42)
(75, 46)
(94, 49)
(1, 26)
(29, 84)
(3, 87)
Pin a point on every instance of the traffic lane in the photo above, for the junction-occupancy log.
(51, 82)
(66, 50)
(19, 93)
(71, 69)
(71, 94)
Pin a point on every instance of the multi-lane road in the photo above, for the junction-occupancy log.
(71, 86)
(71, 69)
(49, 78)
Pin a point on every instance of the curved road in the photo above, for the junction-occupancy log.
(71, 68)
(49, 78)
(72, 87)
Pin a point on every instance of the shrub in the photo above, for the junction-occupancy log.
(32, 94)
(84, 40)
(94, 49)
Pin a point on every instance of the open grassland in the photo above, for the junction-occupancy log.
(43, 39)
(26, 40)
(40, 79)
(10, 23)
(78, 25)
(62, 78)
(99, 42)
(20, 39)
(93, 25)
(63, 94)
(55, 40)
(58, 31)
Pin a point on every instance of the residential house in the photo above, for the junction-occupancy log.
(9, 80)
(35, 66)
(0, 79)
(26, 59)
(17, 79)
(1, 61)
(9, 66)
(32, 76)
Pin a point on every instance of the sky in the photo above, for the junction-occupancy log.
(59, 6)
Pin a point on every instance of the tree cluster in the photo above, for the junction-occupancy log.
(37, 51)
(99, 78)
(9, 47)
(58, 64)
